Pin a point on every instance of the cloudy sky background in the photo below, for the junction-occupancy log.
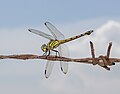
(71, 18)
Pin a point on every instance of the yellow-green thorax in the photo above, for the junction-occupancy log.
(50, 45)
(53, 44)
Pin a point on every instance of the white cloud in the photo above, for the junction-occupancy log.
(28, 76)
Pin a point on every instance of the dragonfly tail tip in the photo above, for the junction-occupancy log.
(89, 32)
(92, 30)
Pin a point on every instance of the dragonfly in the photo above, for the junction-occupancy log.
(56, 40)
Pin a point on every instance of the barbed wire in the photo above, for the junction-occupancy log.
(103, 60)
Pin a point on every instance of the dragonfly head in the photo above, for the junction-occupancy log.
(44, 48)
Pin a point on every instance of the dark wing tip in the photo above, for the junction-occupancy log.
(45, 74)
(63, 71)
(29, 30)
(46, 22)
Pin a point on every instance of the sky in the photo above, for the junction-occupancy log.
(71, 17)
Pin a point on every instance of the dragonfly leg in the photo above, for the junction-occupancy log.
(48, 53)
(45, 53)
(57, 52)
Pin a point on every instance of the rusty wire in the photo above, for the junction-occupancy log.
(103, 61)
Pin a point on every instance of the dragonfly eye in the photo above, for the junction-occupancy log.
(44, 48)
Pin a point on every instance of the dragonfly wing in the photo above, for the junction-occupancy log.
(40, 33)
(54, 31)
(63, 50)
(49, 67)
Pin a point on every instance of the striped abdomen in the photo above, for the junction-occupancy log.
(75, 37)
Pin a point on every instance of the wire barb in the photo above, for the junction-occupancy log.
(93, 53)
(109, 48)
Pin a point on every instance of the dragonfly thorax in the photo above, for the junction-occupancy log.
(50, 46)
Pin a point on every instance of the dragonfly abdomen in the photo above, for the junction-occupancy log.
(75, 37)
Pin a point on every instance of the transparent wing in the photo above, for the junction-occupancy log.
(56, 33)
(49, 67)
(40, 33)
(64, 51)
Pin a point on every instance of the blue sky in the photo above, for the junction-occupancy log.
(16, 13)
(71, 17)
